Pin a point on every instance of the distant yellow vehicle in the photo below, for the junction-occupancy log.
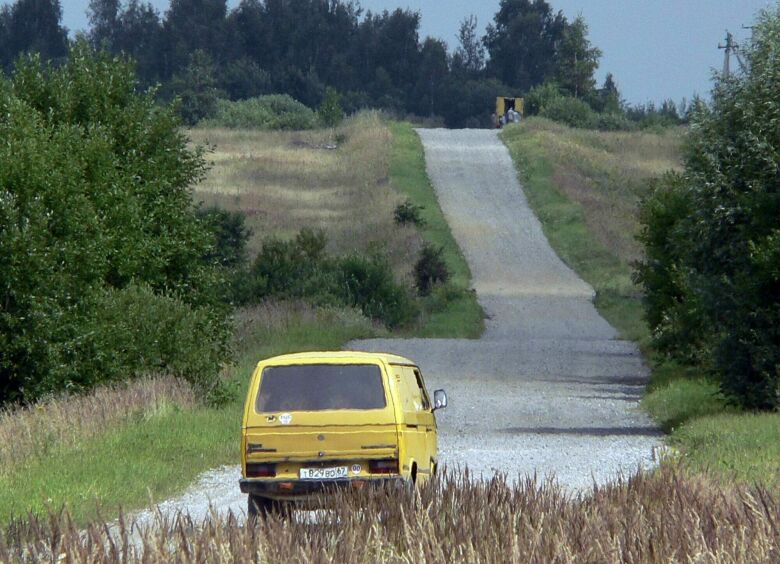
(319, 420)
(504, 104)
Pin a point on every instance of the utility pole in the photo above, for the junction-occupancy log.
(730, 47)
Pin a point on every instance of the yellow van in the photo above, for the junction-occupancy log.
(328, 419)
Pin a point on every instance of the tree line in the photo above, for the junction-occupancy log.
(201, 50)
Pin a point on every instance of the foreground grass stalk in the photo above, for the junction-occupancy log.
(669, 516)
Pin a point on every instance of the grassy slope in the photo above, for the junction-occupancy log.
(567, 175)
(156, 454)
(461, 317)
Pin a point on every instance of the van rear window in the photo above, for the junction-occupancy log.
(320, 387)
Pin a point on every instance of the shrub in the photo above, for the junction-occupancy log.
(301, 269)
(277, 111)
(540, 97)
(614, 122)
(571, 111)
(430, 269)
(369, 284)
(409, 212)
(330, 113)
(147, 333)
(94, 195)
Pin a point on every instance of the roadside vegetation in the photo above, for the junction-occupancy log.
(693, 220)
(285, 241)
(666, 517)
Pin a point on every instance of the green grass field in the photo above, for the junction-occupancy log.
(585, 187)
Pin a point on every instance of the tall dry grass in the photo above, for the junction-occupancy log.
(35, 430)
(335, 180)
(666, 517)
(607, 173)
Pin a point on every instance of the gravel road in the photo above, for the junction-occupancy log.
(549, 389)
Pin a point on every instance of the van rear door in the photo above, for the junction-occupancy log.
(321, 411)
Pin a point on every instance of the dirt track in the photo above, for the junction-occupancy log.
(550, 389)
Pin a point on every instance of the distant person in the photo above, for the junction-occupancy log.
(496, 122)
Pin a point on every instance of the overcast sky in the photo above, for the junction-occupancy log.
(655, 48)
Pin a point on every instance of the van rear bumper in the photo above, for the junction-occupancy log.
(291, 489)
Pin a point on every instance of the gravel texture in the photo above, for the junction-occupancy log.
(549, 390)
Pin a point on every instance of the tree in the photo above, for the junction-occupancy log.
(522, 42)
(470, 54)
(433, 72)
(194, 25)
(96, 213)
(33, 26)
(196, 87)
(103, 18)
(577, 60)
(711, 271)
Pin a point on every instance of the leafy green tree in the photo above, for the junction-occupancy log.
(104, 23)
(330, 112)
(469, 58)
(433, 73)
(196, 88)
(33, 26)
(577, 60)
(95, 196)
(522, 42)
(715, 274)
(190, 26)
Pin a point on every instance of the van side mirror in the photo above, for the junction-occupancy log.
(439, 399)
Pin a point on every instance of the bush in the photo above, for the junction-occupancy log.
(430, 269)
(301, 269)
(614, 122)
(330, 112)
(369, 284)
(408, 212)
(142, 332)
(540, 97)
(571, 111)
(277, 111)
(94, 195)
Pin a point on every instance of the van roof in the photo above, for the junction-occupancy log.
(389, 358)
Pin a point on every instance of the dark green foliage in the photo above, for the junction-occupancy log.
(229, 250)
(265, 112)
(571, 111)
(32, 26)
(430, 269)
(196, 88)
(409, 213)
(577, 60)
(94, 195)
(148, 333)
(542, 96)
(330, 112)
(522, 42)
(711, 234)
(301, 269)
(369, 284)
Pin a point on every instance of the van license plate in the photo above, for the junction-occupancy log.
(324, 473)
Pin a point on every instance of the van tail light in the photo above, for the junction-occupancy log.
(256, 470)
(389, 466)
